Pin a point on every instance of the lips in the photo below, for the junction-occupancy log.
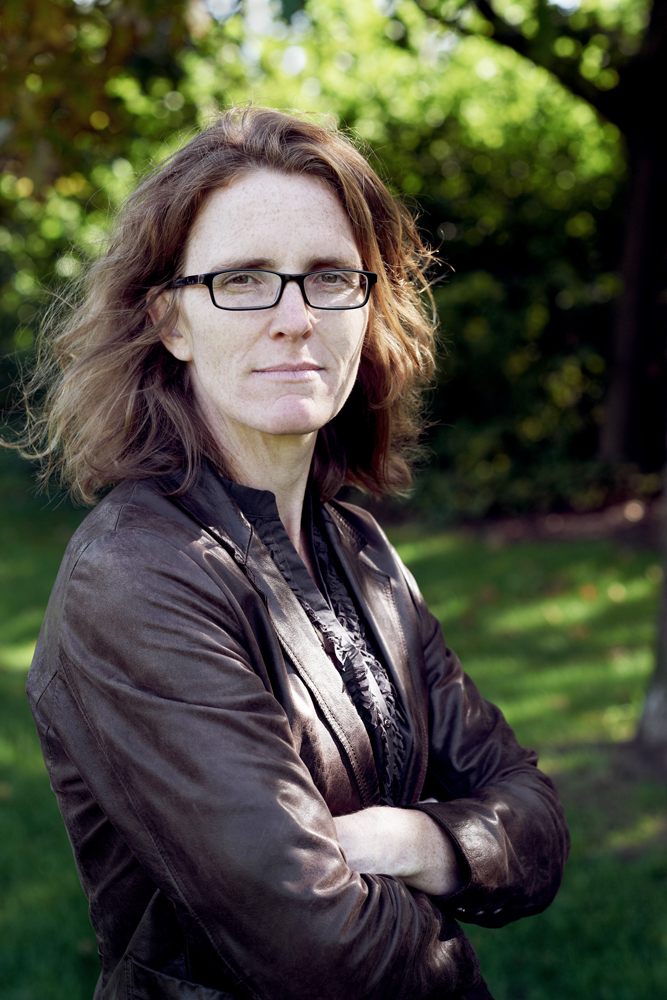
(302, 366)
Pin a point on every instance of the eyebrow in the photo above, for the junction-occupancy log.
(316, 264)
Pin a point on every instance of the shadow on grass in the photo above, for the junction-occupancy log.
(47, 947)
(559, 634)
(605, 936)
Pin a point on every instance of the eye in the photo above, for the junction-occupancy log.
(333, 278)
(237, 279)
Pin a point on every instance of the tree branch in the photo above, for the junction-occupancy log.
(539, 48)
(503, 32)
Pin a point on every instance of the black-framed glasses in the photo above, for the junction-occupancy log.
(242, 289)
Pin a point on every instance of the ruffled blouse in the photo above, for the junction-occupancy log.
(333, 614)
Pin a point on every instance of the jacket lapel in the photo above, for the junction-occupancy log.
(214, 510)
(304, 650)
(374, 591)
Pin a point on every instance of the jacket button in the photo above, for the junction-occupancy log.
(480, 913)
(460, 909)
(497, 911)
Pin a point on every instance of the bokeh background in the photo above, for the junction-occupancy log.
(528, 137)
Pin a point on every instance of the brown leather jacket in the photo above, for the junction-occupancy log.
(199, 740)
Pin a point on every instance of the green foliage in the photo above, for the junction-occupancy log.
(518, 183)
(536, 627)
(587, 45)
(70, 147)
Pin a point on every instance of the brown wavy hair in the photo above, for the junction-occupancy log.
(116, 404)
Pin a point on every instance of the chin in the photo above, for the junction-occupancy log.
(294, 429)
(296, 423)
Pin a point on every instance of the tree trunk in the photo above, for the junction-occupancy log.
(621, 437)
(649, 417)
(652, 729)
(634, 430)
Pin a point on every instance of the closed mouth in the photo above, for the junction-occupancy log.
(303, 366)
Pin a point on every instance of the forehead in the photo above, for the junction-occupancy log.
(268, 215)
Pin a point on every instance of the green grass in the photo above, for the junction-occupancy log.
(560, 635)
(47, 947)
(539, 632)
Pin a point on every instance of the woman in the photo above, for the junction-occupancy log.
(276, 779)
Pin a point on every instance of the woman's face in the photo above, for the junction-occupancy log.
(280, 371)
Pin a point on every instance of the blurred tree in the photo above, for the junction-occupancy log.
(57, 60)
(92, 91)
(613, 54)
(68, 146)
(515, 179)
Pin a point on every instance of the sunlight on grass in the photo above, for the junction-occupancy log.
(17, 657)
(559, 635)
(17, 624)
(647, 828)
(571, 609)
(433, 545)
(22, 757)
(566, 760)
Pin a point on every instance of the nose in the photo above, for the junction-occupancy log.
(291, 317)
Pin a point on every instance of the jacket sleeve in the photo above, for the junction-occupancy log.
(191, 757)
(502, 813)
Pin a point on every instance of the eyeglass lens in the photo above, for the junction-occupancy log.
(253, 289)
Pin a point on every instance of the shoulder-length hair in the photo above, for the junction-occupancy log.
(118, 405)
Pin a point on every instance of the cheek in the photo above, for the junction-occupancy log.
(215, 347)
(350, 341)
(349, 364)
(356, 344)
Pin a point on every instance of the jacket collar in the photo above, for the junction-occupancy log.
(209, 504)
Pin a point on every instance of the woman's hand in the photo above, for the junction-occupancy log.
(406, 843)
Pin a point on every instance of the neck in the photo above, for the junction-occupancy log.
(280, 464)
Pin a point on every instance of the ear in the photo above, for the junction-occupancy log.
(173, 340)
(177, 344)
